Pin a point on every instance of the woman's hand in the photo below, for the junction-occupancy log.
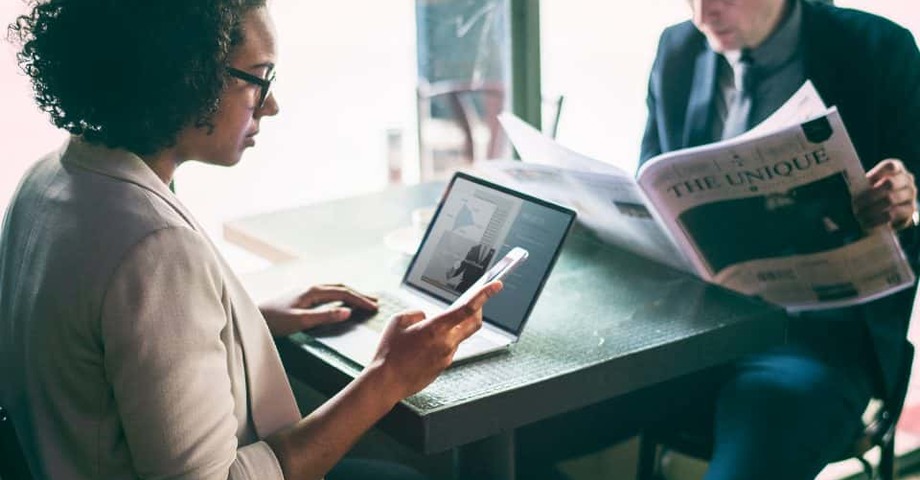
(414, 350)
(319, 305)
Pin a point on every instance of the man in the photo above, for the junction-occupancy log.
(788, 412)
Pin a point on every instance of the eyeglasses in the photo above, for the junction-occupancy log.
(264, 83)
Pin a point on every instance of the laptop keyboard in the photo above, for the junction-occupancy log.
(387, 306)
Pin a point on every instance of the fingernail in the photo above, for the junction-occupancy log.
(342, 313)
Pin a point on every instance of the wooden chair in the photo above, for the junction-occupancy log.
(878, 432)
(12, 462)
(472, 108)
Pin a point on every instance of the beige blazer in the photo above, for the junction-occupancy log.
(128, 348)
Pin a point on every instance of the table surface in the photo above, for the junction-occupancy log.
(608, 323)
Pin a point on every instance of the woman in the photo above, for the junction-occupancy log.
(127, 346)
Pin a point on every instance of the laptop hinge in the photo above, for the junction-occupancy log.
(492, 330)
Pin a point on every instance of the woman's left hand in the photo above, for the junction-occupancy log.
(319, 305)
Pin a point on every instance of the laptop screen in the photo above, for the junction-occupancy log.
(475, 225)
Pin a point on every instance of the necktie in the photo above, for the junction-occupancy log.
(739, 110)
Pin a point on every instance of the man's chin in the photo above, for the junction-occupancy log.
(722, 44)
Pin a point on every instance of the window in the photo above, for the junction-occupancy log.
(598, 55)
(346, 79)
(464, 82)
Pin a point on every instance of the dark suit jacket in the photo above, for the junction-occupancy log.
(865, 65)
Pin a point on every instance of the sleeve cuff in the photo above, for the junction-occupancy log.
(256, 461)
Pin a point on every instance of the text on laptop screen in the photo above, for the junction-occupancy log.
(474, 228)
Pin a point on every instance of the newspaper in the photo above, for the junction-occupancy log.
(768, 214)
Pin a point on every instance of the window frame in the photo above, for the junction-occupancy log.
(526, 101)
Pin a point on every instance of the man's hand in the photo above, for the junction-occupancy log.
(891, 198)
(293, 313)
(415, 350)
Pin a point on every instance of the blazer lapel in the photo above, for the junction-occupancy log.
(698, 122)
(817, 50)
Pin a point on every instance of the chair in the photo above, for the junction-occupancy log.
(12, 462)
(880, 424)
(464, 114)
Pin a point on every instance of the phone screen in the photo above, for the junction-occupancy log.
(498, 271)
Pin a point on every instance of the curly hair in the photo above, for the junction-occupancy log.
(129, 73)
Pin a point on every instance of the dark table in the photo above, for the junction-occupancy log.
(607, 324)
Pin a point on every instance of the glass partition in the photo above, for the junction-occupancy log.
(464, 82)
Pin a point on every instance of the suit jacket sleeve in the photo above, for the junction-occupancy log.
(651, 143)
(900, 114)
(164, 326)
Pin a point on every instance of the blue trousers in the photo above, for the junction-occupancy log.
(785, 414)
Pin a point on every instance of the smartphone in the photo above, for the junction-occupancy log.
(500, 270)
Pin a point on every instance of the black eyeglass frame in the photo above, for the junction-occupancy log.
(264, 83)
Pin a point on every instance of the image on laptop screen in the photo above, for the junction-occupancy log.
(476, 225)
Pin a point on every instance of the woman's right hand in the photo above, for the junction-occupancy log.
(414, 350)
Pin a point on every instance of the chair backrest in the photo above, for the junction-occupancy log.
(881, 426)
(12, 462)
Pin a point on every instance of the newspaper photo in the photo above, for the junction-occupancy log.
(768, 214)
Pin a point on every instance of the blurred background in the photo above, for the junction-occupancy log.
(362, 82)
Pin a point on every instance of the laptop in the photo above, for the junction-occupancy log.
(476, 224)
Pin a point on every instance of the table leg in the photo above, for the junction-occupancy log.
(491, 458)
